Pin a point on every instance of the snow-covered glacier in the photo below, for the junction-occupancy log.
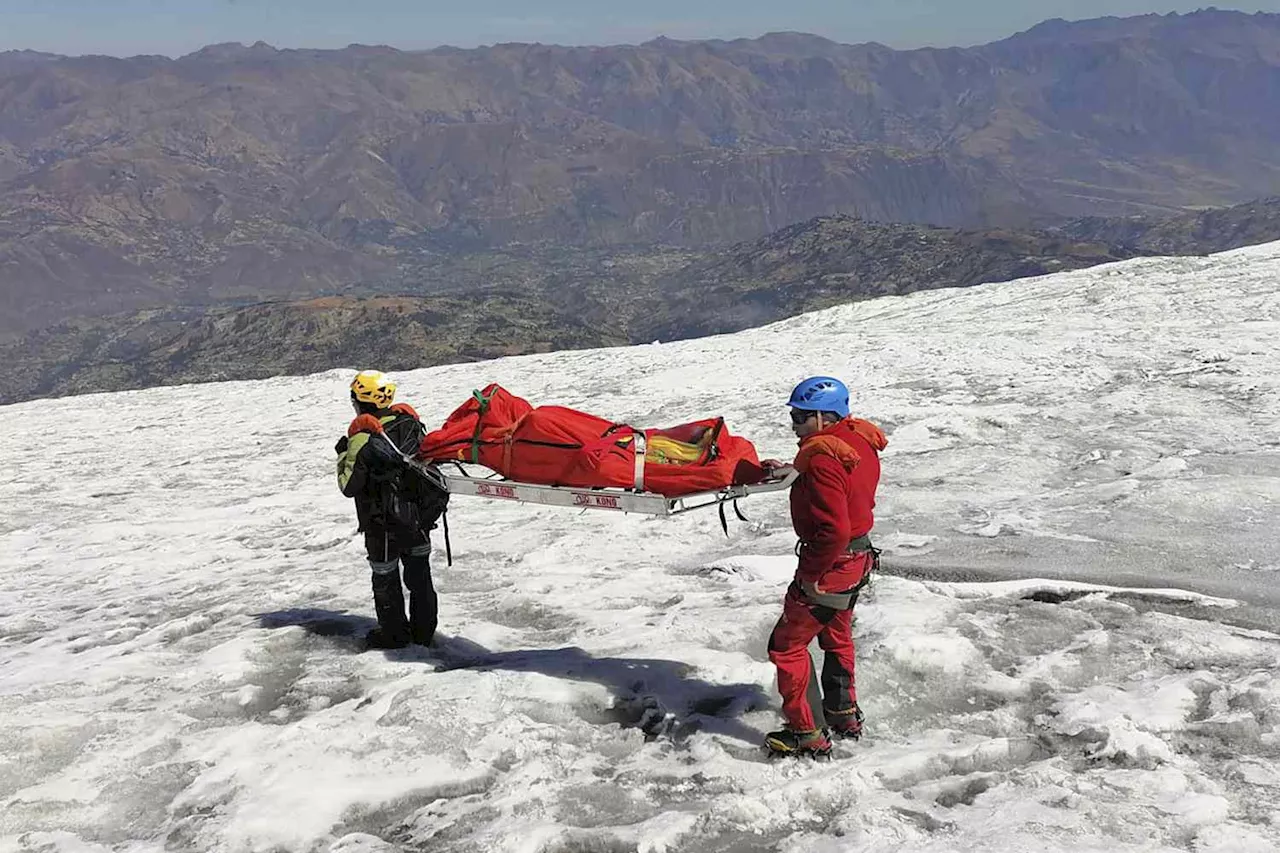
(1073, 645)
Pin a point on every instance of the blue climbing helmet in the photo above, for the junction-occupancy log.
(821, 394)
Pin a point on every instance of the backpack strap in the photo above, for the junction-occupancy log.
(448, 549)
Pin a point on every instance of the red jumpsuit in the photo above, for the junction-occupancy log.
(831, 505)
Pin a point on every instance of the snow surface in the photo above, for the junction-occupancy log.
(1073, 646)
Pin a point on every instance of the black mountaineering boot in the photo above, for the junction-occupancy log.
(845, 724)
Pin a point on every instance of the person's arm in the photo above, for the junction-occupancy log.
(353, 467)
(829, 509)
(353, 461)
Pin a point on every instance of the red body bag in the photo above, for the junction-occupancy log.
(556, 446)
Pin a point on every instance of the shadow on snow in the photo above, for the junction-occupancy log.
(660, 697)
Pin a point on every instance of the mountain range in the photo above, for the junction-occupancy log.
(523, 300)
(237, 174)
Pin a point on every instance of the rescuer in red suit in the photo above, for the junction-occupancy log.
(831, 510)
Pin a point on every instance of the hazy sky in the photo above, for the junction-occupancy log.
(175, 27)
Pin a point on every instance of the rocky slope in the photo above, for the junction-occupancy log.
(178, 346)
(831, 260)
(524, 300)
(1190, 234)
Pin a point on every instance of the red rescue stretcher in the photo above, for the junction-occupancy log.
(557, 456)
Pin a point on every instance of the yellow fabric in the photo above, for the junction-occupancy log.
(668, 451)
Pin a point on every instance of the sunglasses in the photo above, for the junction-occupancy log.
(799, 416)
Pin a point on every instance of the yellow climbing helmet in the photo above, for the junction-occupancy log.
(373, 386)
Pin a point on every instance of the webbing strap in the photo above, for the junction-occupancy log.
(475, 439)
(834, 600)
(737, 510)
(857, 546)
(845, 600)
(448, 549)
(640, 455)
(862, 543)
(710, 451)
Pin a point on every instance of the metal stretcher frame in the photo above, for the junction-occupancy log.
(617, 500)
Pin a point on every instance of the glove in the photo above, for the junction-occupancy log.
(364, 423)
(341, 447)
(775, 469)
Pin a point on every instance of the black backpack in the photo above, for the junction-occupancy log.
(415, 502)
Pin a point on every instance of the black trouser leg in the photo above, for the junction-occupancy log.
(388, 596)
(388, 604)
(423, 602)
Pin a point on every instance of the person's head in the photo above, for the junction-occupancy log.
(371, 391)
(817, 403)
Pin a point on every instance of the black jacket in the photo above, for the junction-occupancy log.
(389, 494)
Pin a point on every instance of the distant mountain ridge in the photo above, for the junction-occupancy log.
(247, 173)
